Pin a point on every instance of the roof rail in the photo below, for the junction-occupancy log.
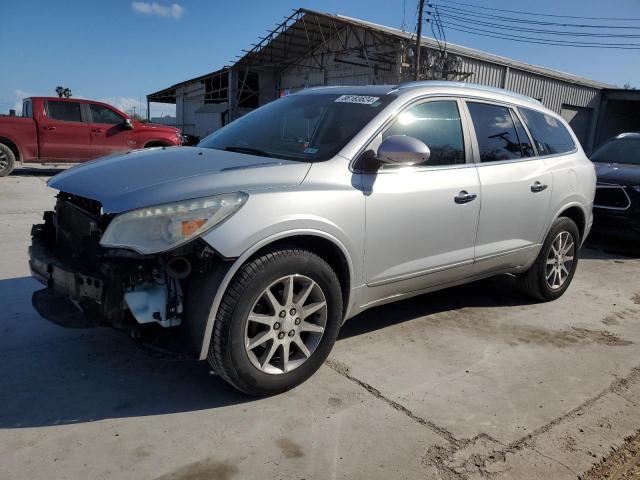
(475, 86)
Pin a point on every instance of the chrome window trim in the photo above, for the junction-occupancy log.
(468, 149)
(512, 108)
(469, 134)
(612, 186)
(557, 117)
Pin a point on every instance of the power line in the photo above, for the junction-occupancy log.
(459, 11)
(521, 12)
(524, 39)
(467, 19)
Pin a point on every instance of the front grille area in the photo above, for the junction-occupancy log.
(73, 228)
(92, 207)
(612, 197)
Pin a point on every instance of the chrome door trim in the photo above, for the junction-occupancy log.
(507, 252)
(419, 273)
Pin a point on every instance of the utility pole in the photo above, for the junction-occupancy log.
(416, 57)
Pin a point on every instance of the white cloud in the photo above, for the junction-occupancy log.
(175, 10)
(124, 104)
(19, 95)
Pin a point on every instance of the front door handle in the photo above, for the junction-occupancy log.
(48, 127)
(538, 187)
(97, 130)
(465, 197)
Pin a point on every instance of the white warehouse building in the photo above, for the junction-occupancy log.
(311, 49)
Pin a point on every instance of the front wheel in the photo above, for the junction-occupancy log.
(277, 322)
(7, 160)
(549, 277)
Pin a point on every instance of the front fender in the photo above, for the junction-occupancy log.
(220, 279)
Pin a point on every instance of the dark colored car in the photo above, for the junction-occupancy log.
(616, 207)
(55, 129)
(189, 140)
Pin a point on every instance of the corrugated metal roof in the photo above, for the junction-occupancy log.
(472, 53)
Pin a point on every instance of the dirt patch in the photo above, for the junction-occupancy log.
(636, 299)
(568, 444)
(601, 337)
(622, 464)
(470, 323)
(289, 448)
(334, 402)
(610, 320)
(208, 469)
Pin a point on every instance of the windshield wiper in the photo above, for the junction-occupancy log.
(249, 150)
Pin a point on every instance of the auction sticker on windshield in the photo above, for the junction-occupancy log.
(362, 99)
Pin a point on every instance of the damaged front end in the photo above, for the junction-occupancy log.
(88, 284)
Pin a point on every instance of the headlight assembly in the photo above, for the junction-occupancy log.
(636, 188)
(163, 227)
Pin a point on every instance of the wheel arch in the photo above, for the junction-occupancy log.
(13, 146)
(321, 243)
(157, 143)
(576, 213)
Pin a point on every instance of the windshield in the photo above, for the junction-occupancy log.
(621, 150)
(308, 127)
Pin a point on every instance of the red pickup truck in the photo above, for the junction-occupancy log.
(73, 130)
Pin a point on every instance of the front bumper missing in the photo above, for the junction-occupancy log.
(71, 298)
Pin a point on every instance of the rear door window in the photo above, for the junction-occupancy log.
(64, 111)
(549, 134)
(496, 132)
(27, 110)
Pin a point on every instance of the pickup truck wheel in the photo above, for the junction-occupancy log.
(277, 322)
(549, 277)
(7, 160)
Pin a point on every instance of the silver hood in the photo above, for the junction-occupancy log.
(161, 175)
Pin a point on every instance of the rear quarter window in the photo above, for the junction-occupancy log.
(550, 136)
(64, 111)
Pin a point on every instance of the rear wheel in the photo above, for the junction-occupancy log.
(551, 274)
(277, 322)
(7, 160)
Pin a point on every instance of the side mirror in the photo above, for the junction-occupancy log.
(128, 124)
(402, 150)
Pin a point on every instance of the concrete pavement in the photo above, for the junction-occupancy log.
(473, 382)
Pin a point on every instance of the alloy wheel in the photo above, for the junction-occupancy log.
(4, 161)
(286, 324)
(560, 260)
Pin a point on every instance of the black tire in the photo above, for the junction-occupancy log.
(7, 160)
(534, 281)
(227, 354)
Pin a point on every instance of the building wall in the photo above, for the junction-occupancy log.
(335, 72)
(189, 98)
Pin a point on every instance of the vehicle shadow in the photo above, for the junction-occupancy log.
(610, 247)
(50, 375)
(500, 291)
(37, 172)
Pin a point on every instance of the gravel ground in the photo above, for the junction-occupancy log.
(622, 464)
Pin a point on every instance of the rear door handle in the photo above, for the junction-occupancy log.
(96, 130)
(465, 197)
(48, 127)
(538, 187)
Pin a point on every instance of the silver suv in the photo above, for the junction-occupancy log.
(261, 241)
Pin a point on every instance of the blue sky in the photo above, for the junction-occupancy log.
(119, 50)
